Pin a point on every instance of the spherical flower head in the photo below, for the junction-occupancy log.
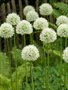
(27, 9)
(46, 9)
(30, 53)
(62, 20)
(13, 19)
(32, 16)
(40, 23)
(24, 27)
(62, 30)
(65, 54)
(48, 35)
(6, 30)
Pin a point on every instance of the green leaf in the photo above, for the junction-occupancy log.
(17, 55)
(4, 64)
(58, 53)
(4, 83)
(21, 73)
(63, 7)
(56, 13)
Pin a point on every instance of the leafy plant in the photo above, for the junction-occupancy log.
(4, 64)
(21, 74)
(60, 9)
(4, 83)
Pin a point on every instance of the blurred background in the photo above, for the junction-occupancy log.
(60, 7)
(7, 6)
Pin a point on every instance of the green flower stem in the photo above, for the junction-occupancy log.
(65, 42)
(46, 67)
(15, 39)
(61, 47)
(10, 59)
(16, 60)
(26, 65)
(26, 75)
(5, 46)
(0, 44)
(64, 76)
(31, 38)
(65, 67)
(24, 40)
(61, 50)
(16, 75)
(47, 70)
(31, 65)
(15, 36)
(44, 64)
(32, 83)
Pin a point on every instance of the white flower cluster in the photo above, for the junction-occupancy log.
(62, 30)
(48, 35)
(40, 23)
(62, 20)
(30, 53)
(24, 27)
(65, 54)
(32, 16)
(46, 9)
(13, 19)
(27, 9)
(6, 30)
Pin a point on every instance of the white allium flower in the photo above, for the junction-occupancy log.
(48, 35)
(27, 9)
(65, 54)
(40, 23)
(6, 30)
(32, 16)
(62, 30)
(30, 53)
(46, 9)
(24, 27)
(13, 19)
(62, 20)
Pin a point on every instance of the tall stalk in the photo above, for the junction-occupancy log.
(61, 51)
(15, 38)
(5, 46)
(31, 38)
(16, 75)
(0, 44)
(65, 67)
(24, 40)
(32, 83)
(26, 75)
(47, 70)
(10, 59)
(31, 65)
(44, 64)
(26, 65)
